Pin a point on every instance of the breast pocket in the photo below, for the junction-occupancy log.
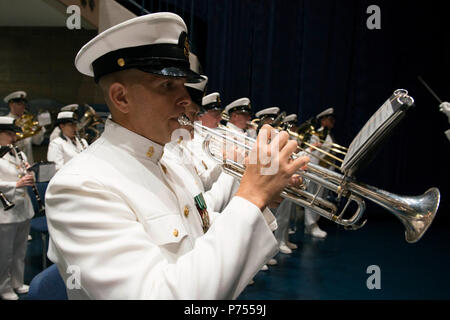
(166, 230)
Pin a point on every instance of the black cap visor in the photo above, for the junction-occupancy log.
(10, 127)
(162, 59)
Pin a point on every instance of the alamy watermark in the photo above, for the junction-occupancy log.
(74, 20)
(374, 20)
(374, 280)
(74, 280)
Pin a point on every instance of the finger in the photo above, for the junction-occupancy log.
(295, 180)
(297, 164)
(289, 148)
(281, 139)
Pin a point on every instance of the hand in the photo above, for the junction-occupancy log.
(295, 181)
(315, 144)
(445, 108)
(26, 181)
(260, 185)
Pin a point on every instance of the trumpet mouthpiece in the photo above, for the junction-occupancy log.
(184, 120)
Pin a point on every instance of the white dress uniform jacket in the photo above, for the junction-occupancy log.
(326, 146)
(61, 150)
(207, 169)
(118, 213)
(9, 175)
(55, 133)
(234, 128)
(26, 145)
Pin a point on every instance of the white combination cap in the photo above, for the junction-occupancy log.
(327, 112)
(268, 112)
(8, 124)
(290, 118)
(155, 43)
(17, 95)
(212, 102)
(70, 107)
(66, 116)
(197, 90)
(242, 104)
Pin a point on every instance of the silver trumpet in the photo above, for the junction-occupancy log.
(416, 213)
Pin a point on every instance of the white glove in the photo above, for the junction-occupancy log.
(445, 108)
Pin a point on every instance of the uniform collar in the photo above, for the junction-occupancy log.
(12, 116)
(131, 142)
(233, 127)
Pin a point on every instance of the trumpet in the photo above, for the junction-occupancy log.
(415, 213)
(5, 202)
(24, 171)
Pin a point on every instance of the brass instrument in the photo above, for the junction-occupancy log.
(87, 124)
(24, 171)
(5, 202)
(415, 213)
(29, 126)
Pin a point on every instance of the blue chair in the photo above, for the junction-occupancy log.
(47, 285)
(39, 223)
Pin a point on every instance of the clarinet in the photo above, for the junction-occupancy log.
(33, 187)
(77, 134)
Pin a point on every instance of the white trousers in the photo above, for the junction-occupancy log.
(13, 247)
(310, 216)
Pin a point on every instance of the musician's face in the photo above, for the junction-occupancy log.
(151, 104)
(240, 119)
(17, 108)
(268, 120)
(211, 119)
(69, 129)
(7, 137)
(328, 122)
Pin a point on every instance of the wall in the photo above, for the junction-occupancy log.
(40, 61)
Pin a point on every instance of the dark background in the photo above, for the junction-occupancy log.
(306, 56)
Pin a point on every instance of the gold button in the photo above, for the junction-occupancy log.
(186, 211)
(175, 232)
(121, 62)
(150, 152)
(180, 139)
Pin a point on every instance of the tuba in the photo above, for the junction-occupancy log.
(29, 126)
(87, 125)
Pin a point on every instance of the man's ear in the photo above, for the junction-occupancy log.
(118, 96)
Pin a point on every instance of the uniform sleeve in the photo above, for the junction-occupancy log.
(8, 188)
(95, 230)
(55, 154)
(221, 192)
(210, 176)
(38, 138)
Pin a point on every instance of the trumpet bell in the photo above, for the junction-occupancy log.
(419, 214)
